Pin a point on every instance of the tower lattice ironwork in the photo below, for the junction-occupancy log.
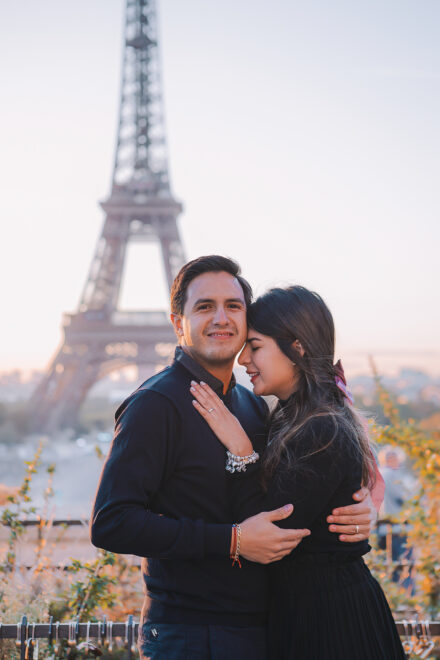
(98, 337)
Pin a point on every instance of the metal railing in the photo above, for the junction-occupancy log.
(103, 633)
(417, 635)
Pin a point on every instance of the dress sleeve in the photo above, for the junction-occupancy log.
(320, 461)
(143, 453)
(378, 490)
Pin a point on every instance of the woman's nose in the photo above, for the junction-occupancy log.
(244, 357)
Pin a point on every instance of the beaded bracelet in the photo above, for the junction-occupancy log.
(233, 542)
(235, 553)
(236, 463)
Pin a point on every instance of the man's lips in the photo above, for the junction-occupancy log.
(220, 335)
(253, 375)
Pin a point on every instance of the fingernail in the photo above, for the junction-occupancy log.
(330, 519)
(342, 538)
(332, 528)
(193, 389)
(193, 382)
(202, 383)
(287, 507)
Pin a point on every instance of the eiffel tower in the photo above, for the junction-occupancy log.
(98, 337)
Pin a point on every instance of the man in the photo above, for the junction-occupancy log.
(164, 492)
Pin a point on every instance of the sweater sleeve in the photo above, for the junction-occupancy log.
(143, 453)
(246, 493)
(247, 498)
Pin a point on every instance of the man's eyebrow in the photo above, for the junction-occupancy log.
(200, 301)
(203, 300)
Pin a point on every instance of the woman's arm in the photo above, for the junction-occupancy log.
(224, 424)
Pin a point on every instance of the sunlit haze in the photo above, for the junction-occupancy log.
(303, 141)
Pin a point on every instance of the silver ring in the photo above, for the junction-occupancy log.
(211, 409)
(357, 529)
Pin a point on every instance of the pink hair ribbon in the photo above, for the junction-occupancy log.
(341, 381)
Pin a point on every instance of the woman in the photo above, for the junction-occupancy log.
(324, 601)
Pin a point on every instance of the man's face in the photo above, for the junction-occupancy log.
(213, 324)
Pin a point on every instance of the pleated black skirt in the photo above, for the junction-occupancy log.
(329, 608)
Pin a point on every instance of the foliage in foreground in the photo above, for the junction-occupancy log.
(87, 591)
(421, 513)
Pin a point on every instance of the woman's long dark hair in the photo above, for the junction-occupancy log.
(297, 314)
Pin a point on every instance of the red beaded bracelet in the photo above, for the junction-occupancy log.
(235, 552)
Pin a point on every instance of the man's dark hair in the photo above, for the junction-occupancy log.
(212, 263)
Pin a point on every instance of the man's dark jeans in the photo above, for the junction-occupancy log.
(177, 641)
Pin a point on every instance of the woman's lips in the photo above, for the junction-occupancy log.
(253, 375)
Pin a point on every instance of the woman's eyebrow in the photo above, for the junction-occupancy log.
(253, 339)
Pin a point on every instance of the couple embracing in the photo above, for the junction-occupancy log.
(251, 545)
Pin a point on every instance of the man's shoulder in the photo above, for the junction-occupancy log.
(156, 392)
(164, 381)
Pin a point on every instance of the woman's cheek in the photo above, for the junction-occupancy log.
(259, 387)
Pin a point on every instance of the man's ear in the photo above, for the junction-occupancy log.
(176, 320)
(298, 347)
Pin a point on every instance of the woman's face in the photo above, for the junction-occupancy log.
(270, 370)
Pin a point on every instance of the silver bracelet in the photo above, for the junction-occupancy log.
(238, 463)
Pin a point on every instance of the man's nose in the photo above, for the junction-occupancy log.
(220, 316)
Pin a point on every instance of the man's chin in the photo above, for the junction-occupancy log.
(221, 358)
(221, 355)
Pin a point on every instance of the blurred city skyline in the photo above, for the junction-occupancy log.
(303, 141)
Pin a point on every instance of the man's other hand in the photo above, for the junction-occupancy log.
(354, 522)
(264, 542)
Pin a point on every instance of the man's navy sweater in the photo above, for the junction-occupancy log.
(165, 495)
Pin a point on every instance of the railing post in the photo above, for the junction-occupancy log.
(23, 636)
(130, 637)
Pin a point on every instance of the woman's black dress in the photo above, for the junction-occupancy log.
(325, 604)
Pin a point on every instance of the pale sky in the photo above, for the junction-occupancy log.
(304, 141)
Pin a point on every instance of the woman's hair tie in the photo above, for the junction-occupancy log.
(341, 382)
